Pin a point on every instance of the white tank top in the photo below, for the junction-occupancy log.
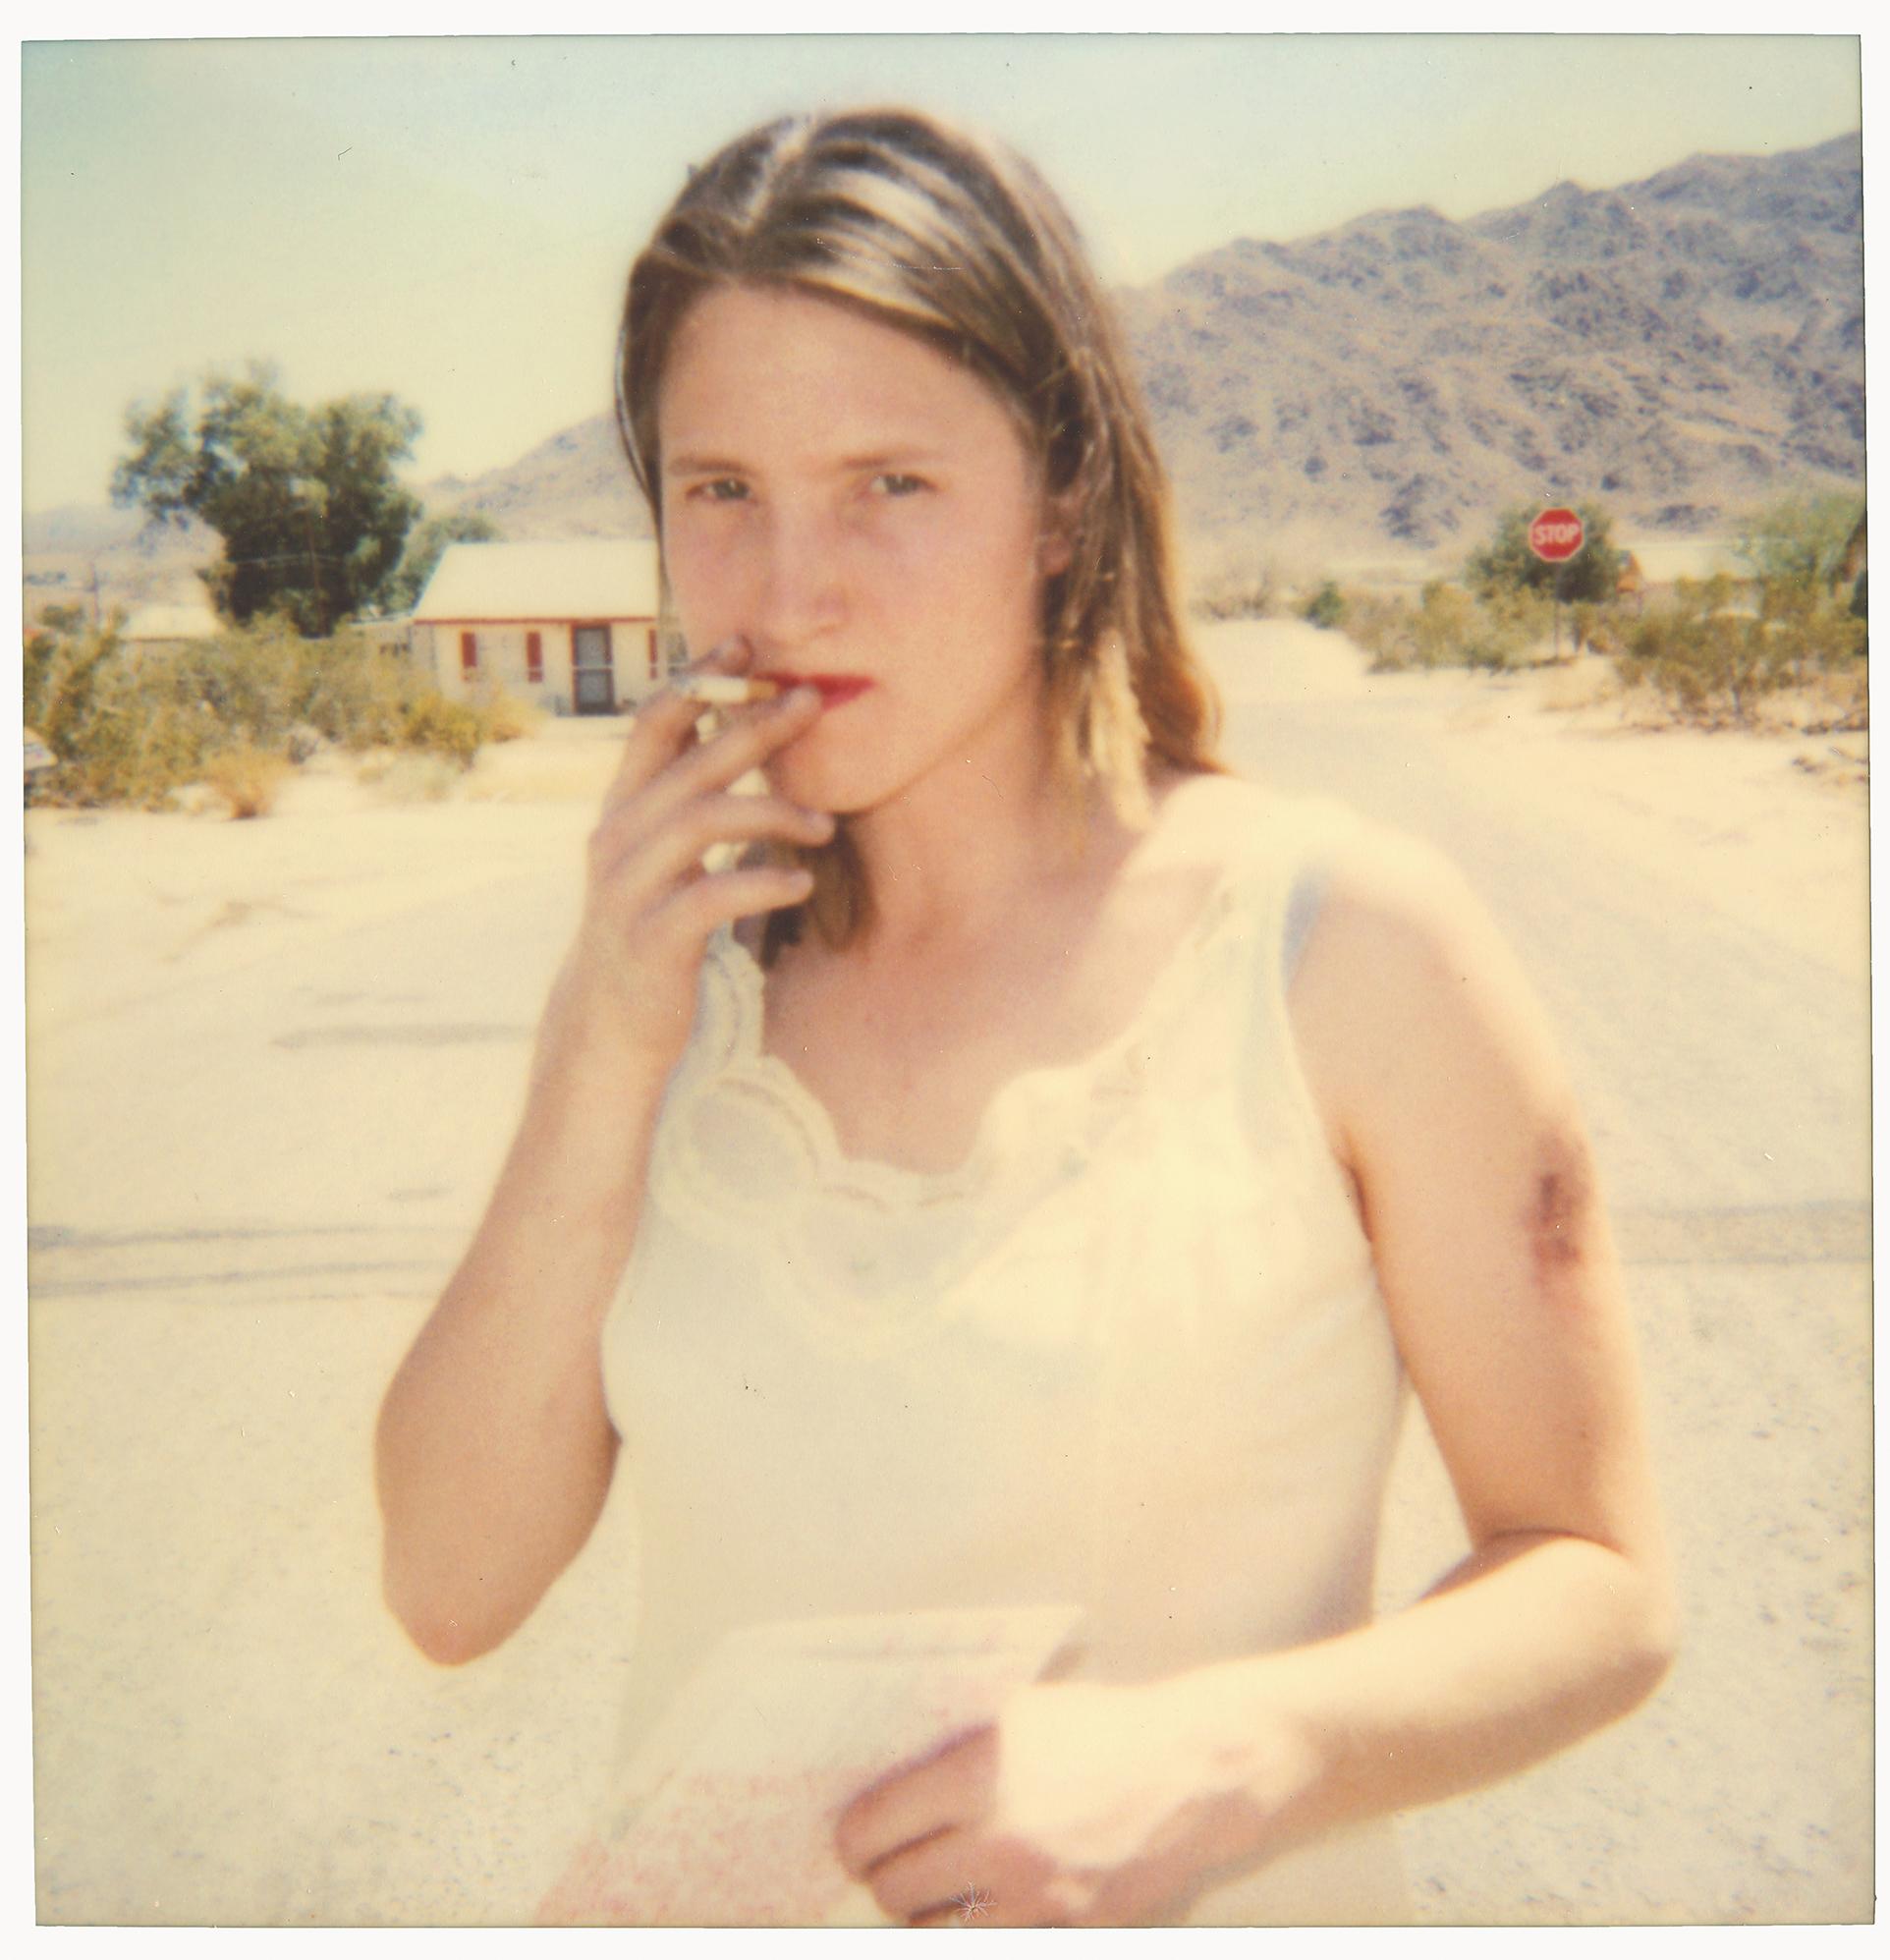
(1131, 1354)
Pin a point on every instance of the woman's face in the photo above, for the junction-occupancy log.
(859, 506)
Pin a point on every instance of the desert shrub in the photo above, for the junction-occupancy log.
(1447, 628)
(1510, 626)
(132, 727)
(1445, 622)
(1600, 629)
(1813, 627)
(1706, 662)
(449, 728)
(48, 657)
(357, 694)
(248, 778)
(1382, 626)
(253, 681)
(1326, 608)
(1713, 663)
(1453, 629)
(505, 717)
(1235, 584)
(123, 745)
(122, 730)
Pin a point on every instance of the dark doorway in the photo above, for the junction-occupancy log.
(593, 685)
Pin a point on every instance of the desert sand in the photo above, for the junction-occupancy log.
(272, 1068)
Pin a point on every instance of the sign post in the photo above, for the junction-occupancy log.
(1555, 538)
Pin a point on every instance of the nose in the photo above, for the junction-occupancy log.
(800, 590)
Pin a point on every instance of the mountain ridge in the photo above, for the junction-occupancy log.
(1677, 348)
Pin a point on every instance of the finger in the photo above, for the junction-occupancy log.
(622, 849)
(943, 1788)
(662, 726)
(717, 899)
(933, 1875)
(745, 740)
(940, 1916)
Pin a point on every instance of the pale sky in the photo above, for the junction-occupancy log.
(451, 220)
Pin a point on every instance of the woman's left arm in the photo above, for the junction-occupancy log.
(1446, 1100)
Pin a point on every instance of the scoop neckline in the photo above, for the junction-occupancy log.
(1040, 1082)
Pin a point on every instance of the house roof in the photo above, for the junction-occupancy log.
(592, 577)
(192, 620)
(1663, 560)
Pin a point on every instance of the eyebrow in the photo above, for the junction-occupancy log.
(697, 466)
(916, 457)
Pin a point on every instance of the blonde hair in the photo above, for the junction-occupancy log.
(964, 246)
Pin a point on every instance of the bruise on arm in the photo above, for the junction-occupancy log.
(1564, 1211)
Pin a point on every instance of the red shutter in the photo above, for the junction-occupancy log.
(533, 657)
(469, 652)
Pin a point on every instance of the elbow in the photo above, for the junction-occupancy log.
(446, 1636)
(445, 1640)
(447, 1645)
(1651, 1635)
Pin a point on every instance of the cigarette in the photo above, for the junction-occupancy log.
(725, 689)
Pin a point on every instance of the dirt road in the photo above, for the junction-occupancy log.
(271, 1072)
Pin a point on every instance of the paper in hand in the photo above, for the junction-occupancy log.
(726, 1816)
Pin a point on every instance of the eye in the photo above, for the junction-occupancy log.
(719, 490)
(895, 483)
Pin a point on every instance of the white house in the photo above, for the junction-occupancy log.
(571, 625)
(169, 624)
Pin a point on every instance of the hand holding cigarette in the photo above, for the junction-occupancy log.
(663, 859)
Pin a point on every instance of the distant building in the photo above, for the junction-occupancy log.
(571, 625)
(179, 623)
(385, 636)
(1662, 561)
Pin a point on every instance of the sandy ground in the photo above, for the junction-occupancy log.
(271, 1071)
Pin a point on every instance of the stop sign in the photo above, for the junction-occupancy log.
(1555, 535)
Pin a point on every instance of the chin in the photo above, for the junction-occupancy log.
(837, 784)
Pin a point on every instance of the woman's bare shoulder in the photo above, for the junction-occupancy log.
(1387, 885)
(1367, 864)
(1229, 819)
(1407, 982)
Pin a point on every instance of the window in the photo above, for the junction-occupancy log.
(469, 652)
(534, 656)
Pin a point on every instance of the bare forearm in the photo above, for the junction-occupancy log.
(1529, 1644)
(494, 1448)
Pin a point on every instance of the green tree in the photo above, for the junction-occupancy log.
(1800, 539)
(1507, 564)
(305, 500)
(425, 547)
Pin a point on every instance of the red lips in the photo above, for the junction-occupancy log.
(835, 689)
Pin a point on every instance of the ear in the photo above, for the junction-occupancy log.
(1056, 544)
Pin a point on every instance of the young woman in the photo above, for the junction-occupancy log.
(1037, 1169)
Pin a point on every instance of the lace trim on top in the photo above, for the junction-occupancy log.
(747, 1151)
(1020, 1109)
